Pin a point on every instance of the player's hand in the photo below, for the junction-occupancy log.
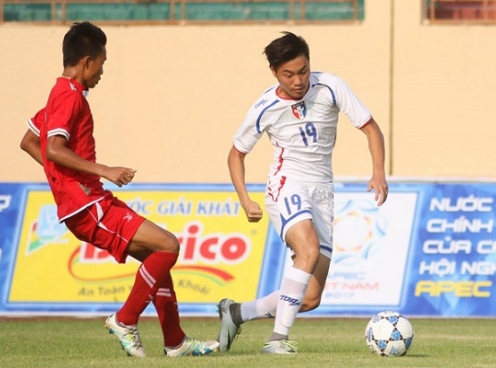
(253, 211)
(379, 184)
(119, 175)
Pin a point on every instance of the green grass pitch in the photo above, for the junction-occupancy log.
(331, 342)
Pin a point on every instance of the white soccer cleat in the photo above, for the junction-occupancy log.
(228, 329)
(128, 336)
(280, 347)
(192, 347)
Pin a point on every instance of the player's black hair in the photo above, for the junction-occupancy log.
(82, 39)
(286, 48)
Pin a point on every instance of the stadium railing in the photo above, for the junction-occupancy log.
(181, 11)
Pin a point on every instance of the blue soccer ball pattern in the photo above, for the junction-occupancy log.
(389, 334)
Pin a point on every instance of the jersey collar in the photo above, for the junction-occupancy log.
(75, 85)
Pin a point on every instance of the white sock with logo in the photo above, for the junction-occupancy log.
(260, 308)
(293, 288)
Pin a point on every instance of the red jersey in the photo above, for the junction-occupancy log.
(68, 113)
(36, 121)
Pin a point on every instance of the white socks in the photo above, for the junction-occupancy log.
(284, 304)
(260, 308)
(293, 289)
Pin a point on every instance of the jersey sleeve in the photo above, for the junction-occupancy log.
(34, 124)
(63, 114)
(349, 104)
(249, 132)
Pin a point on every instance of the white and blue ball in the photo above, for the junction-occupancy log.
(389, 334)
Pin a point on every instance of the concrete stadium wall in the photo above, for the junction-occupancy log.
(172, 97)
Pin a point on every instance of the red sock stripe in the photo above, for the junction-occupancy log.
(146, 276)
(153, 274)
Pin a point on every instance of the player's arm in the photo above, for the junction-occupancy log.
(61, 155)
(30, 143)
(236, 164)
(376, 147)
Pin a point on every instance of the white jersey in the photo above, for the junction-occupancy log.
(303, 132)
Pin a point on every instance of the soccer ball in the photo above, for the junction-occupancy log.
(389, 334)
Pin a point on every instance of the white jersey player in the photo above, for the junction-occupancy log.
(303, 132)
(300, 116)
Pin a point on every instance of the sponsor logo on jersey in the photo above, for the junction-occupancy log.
(299, 110)
(260, 103)
(128, 217)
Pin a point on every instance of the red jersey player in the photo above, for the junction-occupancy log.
(60, 137)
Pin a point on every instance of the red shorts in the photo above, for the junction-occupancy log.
(109, 224)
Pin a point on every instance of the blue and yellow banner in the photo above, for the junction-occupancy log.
(430, 250)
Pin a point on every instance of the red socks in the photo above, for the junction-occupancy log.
(166, 305)
(151, 274)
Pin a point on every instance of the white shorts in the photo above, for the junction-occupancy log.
(289, 201)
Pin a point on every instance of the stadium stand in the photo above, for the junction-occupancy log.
(462, 11)
(181, 11)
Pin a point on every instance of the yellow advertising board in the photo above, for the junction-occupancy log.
(221, 252)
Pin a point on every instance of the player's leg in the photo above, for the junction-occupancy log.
(308, 231)
(122, 232)
(87, 226)
(158, 250)
(176, 343)
(233, 314)
(316, 286)
(265, 307)
(322, 198)
(151, 238)
(303, 240)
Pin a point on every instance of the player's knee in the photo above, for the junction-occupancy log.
(172, 244)
(308, 260)
(315, 254)
(167, 242)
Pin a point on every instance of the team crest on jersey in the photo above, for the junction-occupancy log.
(299, 110)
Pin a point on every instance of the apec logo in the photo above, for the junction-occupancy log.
(4, 202)
(359, 230)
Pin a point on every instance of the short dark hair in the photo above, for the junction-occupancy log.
(286, 48)
(82, 39)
